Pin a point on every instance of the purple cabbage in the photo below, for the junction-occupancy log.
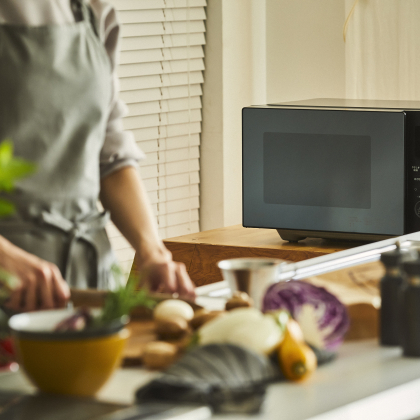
(75, 322)
(333, 319)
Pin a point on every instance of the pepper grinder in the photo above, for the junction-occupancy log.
(410, 309)
(390, 288)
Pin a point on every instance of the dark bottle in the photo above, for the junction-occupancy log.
(390, 288)
(410, 309)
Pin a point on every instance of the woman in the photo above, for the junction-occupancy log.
(59, 105)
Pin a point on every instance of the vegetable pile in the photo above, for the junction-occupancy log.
(296, 318)
(296, 315)
(322, 317)
(272, 333)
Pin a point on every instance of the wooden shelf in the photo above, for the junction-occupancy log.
(201, 251)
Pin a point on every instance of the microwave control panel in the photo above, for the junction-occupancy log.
(412, 216)
(414, 174)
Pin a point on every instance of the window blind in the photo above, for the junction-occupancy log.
(160, 73)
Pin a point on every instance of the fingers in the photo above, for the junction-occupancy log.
(166, 278)
(45, 291)
(41, 284)
(60, 289)
(42, 288)
(14, 302)
(170, 277)
(52, 290)
(184, 283)
(29, 303)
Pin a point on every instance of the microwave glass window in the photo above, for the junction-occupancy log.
(317, 170)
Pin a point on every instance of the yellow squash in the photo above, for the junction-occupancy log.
(297, 360)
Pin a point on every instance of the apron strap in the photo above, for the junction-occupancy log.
(76, 231)
(83, 12)
(76, 8)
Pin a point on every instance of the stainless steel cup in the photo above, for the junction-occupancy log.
(251, 275)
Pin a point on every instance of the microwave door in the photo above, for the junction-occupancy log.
(326, 173)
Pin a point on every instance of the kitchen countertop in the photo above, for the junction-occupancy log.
(366, 381)
(383, 384)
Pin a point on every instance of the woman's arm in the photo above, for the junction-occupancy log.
(124, 195)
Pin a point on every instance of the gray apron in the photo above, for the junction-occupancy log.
(55, 90)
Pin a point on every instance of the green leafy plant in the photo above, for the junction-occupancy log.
(11, 169)
(8, 282)
(121, 301)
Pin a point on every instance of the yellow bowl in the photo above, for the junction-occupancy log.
(75, 363)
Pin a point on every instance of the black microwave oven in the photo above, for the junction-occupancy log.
(332, 168)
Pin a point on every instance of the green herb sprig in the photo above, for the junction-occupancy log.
(121, 301)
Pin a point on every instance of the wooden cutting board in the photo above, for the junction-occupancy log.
(142, 333)
(141, 326)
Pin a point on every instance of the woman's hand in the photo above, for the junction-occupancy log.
(42, 286)
(160, 273)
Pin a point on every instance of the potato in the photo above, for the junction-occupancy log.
(171, 329)
(159, 355)
(239, 300)
(202, 316)
(168, 309)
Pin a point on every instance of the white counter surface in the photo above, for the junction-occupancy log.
(365, 382)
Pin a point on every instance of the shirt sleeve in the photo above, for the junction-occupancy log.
(119, 148)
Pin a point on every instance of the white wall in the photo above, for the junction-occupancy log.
(211, 149)
(227, 88)
(383, 50)
(305, 49)
(258, 51)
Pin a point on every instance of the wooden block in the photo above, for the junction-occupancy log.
(201, 251)
(182, 252)
(364, 320)
(204, 269)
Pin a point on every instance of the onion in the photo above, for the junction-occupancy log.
(246, 327)
(322, 317)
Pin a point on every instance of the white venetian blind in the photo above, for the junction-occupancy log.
(161, 72)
